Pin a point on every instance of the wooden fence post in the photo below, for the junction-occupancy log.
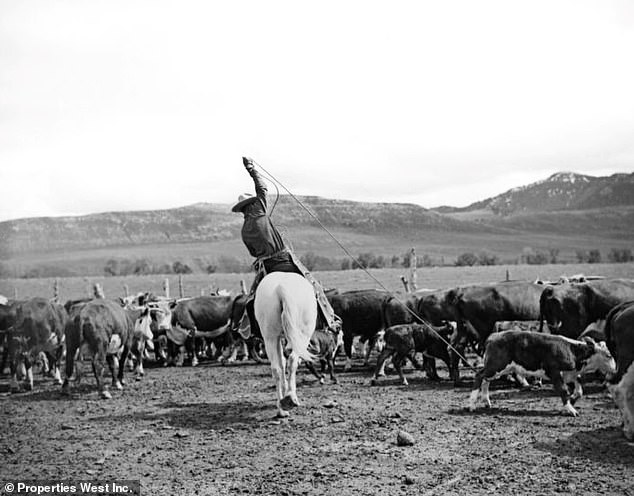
(243, 286)
(412, 270)
(15, 293)
(181, 290)
(126, 290)
(508, 276)
(166, 287)
(56, 290)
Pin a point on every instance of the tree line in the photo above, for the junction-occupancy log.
(316, 262)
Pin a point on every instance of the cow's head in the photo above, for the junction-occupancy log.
(551, 308)
(599, 358)
(438, 306)
(566, 308)
(161, 318)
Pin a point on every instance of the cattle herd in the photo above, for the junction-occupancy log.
(557, 331)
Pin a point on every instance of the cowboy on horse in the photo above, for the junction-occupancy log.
(266, 244)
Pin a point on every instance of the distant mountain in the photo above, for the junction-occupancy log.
(207, 222)
(561, 191)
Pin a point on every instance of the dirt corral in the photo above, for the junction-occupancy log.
(210, 430)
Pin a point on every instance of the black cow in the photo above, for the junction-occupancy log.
(569, 308)
(619, 335)
(38, 327)
(478, 308)
(207, 317)
(361, 313)
(103, 330)
(558, 358)
(405, 340)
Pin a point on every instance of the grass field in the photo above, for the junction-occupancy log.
(443, 247)
(196, 284)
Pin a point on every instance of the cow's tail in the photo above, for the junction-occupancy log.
(296, 331)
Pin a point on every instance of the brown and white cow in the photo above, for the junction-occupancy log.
(557, 358)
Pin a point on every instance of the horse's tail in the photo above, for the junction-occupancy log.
(295, 330)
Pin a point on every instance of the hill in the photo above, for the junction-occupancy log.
(207, 222)
(564, 213)
(561, 191)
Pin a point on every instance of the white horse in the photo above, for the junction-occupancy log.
(286, 307)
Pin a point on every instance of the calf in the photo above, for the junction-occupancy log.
(405, 340)
(623, 394)
(323, 346)
(558, 358)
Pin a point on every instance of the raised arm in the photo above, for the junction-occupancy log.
(260, 186)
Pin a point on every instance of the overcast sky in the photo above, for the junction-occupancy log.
(145, 104)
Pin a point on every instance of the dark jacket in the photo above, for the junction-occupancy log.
(259, 234)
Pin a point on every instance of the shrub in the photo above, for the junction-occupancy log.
(532, 257)
(594, 256)
(620, 255)
(180, 268)
(466, 259)
(487, 259)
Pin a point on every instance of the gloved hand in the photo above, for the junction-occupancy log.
(248, 163)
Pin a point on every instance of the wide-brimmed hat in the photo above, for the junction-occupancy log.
(243, 200)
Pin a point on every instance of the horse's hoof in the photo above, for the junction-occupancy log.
(321, 381)
(106, 395)
(282, 413)
(373, 382)
(288, 403)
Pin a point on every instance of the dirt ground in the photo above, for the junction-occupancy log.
(211, 430)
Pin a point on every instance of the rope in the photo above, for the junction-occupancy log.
(417, 317)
